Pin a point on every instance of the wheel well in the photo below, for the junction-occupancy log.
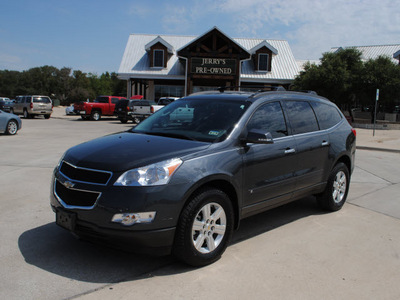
(346, 160)
(228, 189)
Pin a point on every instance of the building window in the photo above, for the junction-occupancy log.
(263, 62)
(158, 58)
(168, 91)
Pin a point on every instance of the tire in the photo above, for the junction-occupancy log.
(47, 117)
(123, 121)
(26, 114)
(12, 127)
(205, 228)
(95, 115)
(337, 188)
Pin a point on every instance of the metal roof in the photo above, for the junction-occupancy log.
(372, 52)
(135, 61)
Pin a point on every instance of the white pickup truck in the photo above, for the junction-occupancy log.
(162, 102)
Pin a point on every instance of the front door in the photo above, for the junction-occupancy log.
(268, 168)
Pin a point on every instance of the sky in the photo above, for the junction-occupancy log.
(91, 36)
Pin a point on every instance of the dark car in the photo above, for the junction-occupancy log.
(182, 179)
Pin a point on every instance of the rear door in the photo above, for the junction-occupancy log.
(311, 143)
(268, 172)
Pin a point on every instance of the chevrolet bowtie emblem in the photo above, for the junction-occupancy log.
(68, 184)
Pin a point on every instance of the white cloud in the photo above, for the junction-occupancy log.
(313, 27)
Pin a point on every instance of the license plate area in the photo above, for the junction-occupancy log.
(66, 220)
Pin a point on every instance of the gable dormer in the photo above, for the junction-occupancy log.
(159, 52)
(262, 56)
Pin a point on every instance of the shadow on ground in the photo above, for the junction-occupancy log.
(55, 250)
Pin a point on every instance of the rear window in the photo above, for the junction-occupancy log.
(101, 100)
(301, 116)
(327, 115)
(45, 100)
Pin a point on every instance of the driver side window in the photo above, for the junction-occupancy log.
(269, 118)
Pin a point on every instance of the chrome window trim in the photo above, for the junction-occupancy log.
(74, 206)
(86, 182)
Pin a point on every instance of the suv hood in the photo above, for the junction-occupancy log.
(124, 151)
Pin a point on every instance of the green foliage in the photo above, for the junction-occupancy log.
(346, 80)
(63, 84)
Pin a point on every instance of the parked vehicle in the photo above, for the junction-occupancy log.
(3, 102)
(181, 180)
(33, 105)
(9, 123)
(69, 110)
(163, 101)
(7, 105)
(135, 110)
(101, 106)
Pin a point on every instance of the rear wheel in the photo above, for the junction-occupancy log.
(124, 120)
(95, 115)
(26, 114)
(12, 127)
(47, 116)
(205, 228)
(337, 188)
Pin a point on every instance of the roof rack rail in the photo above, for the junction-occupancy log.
(308, 92)
(260, 89)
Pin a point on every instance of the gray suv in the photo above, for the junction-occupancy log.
(181, 180)
(31, 106)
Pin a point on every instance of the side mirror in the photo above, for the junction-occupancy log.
(257, 136)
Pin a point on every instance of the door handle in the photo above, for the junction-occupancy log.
(325, 143)
(290, 150)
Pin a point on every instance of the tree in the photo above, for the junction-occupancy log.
(337, 77)
(381, 73)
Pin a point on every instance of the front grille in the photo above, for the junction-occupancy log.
(76, 198)
(85, 175)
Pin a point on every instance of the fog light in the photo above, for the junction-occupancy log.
(129, 219)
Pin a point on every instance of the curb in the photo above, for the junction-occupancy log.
(377, 149)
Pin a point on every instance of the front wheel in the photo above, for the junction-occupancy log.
(205, 228)
(337, 188)
(12, 127)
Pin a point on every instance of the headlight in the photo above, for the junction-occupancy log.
(155, 174)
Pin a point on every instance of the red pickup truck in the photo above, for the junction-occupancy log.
(101, 106)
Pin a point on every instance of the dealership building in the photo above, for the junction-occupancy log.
(174, 66)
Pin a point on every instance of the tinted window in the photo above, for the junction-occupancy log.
(269, 118)
(301, 116)
(327, 115)
(114, 100)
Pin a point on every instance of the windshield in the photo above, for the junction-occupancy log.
(207, 120)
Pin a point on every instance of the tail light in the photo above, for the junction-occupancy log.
(31, 105)
(127, 108)
(354, 131)
(152, 110)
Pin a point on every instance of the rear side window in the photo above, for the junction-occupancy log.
(101, 100)
(301, 116)
(327, 115)
(269, 118)
(114, 100)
